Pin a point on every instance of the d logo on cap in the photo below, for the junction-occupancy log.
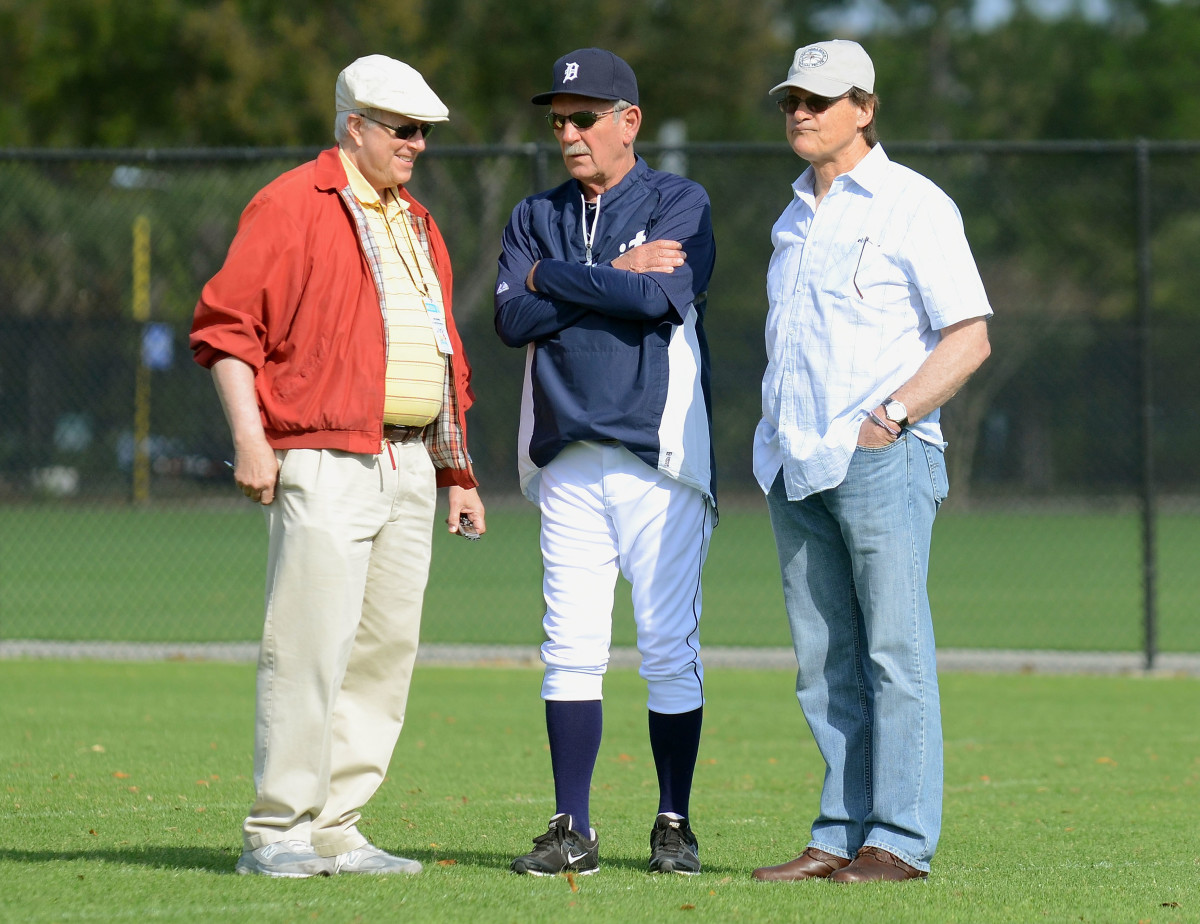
(591, 72)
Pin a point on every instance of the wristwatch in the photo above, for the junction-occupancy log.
(896, 412)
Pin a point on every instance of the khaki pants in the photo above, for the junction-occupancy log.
(348, 560)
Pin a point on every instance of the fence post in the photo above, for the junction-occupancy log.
(1145, 362)
(141, 399)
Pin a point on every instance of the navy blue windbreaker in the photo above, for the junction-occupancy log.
(612, 354)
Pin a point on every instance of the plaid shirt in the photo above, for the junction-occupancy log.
(444, 438)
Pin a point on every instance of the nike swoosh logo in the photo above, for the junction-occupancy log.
(571, 858)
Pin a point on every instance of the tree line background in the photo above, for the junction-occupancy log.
(111, 73)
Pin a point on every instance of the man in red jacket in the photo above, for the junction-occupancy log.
(330, 339)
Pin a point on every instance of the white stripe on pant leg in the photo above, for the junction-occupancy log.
(671, 666)
(664, 529)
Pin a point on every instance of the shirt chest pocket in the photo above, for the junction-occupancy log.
(862, 271)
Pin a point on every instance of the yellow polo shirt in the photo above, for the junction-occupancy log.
(416, 370)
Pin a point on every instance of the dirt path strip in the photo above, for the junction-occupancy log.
(979, 660)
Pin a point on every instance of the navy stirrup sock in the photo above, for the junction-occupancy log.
(675, 742)
(574, 729)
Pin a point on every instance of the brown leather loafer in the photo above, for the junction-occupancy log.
(874, 864)
(812, 864)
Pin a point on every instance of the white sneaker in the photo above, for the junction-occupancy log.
(285, 860)
(370, 859)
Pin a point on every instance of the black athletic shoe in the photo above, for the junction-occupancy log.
(673, 847)
(560, 850)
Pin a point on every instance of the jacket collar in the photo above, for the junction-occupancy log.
(635, 175)
(331, 177)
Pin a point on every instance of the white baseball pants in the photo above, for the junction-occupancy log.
(603, 510)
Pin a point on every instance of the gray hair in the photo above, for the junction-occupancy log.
(341, 121)
(618, 105)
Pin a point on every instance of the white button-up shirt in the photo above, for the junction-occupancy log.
(858, 292)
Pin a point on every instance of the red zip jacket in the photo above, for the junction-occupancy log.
(297, 301)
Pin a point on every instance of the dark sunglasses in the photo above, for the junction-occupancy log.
(405, 132)
(581, 120)
(814, 104)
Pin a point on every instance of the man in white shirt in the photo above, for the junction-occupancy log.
(877, 317)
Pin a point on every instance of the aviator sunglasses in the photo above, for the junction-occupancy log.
(581, 120)
(814, 104)
(405, 132)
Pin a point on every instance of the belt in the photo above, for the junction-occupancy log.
(398, 433)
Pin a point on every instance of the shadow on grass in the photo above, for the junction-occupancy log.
(222, 861)
(176, 858)
(501, 862)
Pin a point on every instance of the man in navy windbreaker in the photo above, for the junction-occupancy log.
(603, 281)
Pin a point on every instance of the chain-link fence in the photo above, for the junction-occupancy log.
(1073, 520)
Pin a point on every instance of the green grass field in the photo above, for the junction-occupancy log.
(1066, 581)
(1067, 799)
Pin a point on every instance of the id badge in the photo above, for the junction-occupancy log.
(437, 320)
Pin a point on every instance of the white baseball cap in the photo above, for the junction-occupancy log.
(830, 69)
(380, 82)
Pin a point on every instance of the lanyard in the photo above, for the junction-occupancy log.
(589, 239)
(418, 278)
(433, 308)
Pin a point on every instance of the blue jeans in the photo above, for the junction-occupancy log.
(854, 561)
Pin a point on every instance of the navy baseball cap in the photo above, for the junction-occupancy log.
(591, 72)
